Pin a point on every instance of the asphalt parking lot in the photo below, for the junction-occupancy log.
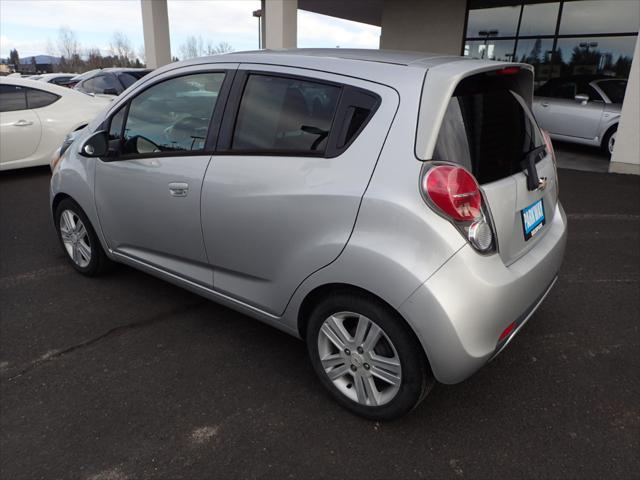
(127, 377)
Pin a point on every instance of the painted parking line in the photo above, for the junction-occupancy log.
(604, 216)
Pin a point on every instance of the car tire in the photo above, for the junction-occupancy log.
(608, 141)
(373, 368)
(79, 240)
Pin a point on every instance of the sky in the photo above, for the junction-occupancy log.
(32, 27)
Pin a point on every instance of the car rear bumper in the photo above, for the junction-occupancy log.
(461, 311)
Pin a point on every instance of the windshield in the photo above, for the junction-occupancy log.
(614, 89)
(489, 132)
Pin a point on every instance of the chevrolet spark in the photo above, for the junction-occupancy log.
(397, 211)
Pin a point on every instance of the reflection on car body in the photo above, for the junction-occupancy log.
(581, 109)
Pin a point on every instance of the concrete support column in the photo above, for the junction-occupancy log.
(427, 25)
(155, 25)
(626, 152)
(279, 23)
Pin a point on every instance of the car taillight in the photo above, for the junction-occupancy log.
(454, 191)
(508, 71)
(507, 331)
(549, 146)
(456, 194)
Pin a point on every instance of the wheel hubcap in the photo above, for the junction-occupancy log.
(75, 238)
(359, 358)
(612, 142)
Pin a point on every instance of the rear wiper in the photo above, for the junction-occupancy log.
(530, 158)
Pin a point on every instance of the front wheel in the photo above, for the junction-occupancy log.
(79, 239)
(367, 357)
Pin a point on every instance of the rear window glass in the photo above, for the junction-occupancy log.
(487, 132)
(38, 98)
(129, 78)
(285, 114)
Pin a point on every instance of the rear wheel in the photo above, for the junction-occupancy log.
(609, 140)
(367, 357)
(79, 239)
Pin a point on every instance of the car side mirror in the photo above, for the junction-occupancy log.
(144, 145)
(583, 98)
(110, 91)
(96, 145)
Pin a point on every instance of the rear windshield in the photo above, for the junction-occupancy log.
(488, 129)
(129, 78)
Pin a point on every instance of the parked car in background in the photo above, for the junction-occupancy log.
(36, 116)
(581, 109)
(57, 78)
(72, 82)
(109, 81)
(397, 210)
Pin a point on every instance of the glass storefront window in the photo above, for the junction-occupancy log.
(539, 19)
(586, 43)
(598, 16)
(596, 55)
(537, 52)
(501, 50)
(503, 20)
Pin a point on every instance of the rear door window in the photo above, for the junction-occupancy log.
(288, 115)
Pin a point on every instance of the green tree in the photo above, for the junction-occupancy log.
(14, 58)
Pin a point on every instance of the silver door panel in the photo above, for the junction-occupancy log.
(568, 117)
(141, 218)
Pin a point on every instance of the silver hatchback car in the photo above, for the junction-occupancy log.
(398, 211)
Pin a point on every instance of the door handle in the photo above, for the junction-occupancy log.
(544, 104)
(178, 189)
(22, 123)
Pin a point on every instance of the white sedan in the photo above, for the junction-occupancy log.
(35, 118)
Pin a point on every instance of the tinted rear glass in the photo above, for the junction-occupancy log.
(12, 98)
(488, 131)
(129, 78)
(285, 114)
(38, 98)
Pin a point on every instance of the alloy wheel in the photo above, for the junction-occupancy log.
(359, 358)
(75, 238)
(612, 142)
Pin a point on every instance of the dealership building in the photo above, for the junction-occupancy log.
(559, 39)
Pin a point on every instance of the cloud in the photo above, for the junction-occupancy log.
(80, 16)
(316, 30)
